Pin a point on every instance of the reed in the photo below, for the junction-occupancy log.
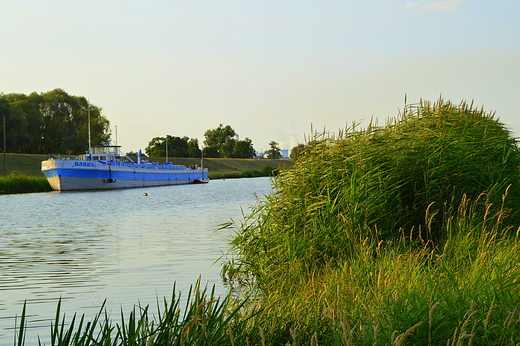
(401, 234)
(205, 320)
(21, 183)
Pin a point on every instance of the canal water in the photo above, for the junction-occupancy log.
(118, 245)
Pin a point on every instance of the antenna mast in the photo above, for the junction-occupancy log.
(89, 141)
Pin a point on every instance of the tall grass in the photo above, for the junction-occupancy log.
(406, 233)
(21, 183)
(205, 320)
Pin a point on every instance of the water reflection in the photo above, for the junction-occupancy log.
(120, 245)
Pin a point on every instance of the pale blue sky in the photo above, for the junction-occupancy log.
(269, 69)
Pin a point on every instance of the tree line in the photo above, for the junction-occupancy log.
(51, 122)
(57, 122)
(219, 142)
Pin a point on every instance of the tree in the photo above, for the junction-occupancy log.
(274, 152)
(244, 149)
(5, 111)
(297, 151)
(215, 141)
(54, 122)
(177, 147)
(211, 152)
(193, 148)
(27, 107)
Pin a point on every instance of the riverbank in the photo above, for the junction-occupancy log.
(24, 174)
(21, 183)
(30, 165)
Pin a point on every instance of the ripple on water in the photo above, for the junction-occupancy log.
(85, 247)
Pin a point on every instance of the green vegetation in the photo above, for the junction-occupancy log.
(205, 320)
(406, 234)
(297, 151)
(221, 142)
(274, 151)
(51, 122)
(172, 146)
(403, 234)
(21, 183)
(28, 165)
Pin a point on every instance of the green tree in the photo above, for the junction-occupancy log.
(211, 152)
(28, 108)
(193, 148)
(54, 122)
(274, 152)
(177, 147)
(297, 151)
(226, 149)
(244, 149)
(5, 111)
(215, 142)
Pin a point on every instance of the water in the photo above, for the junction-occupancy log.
(117, 245)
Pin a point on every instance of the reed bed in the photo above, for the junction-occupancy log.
(401, 234)
(405, 234)
(21, 183)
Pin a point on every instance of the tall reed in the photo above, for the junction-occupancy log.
(403, 232)
(205, 320)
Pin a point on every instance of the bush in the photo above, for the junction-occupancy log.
(385, 183)
(20, 183)
(407, 231)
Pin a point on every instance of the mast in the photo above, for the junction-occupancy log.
(117, 147)
(202, 165)
(5, 149)
(89, 140)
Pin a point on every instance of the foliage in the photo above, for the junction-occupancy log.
(20, 183)
(297, 151)
(409, 231)
(267, 171)
(177, 147)
(244, 149)
(205, 320)
(220, 142)
(274, 152)
(391, 293)
(337, 255)
(53, 121)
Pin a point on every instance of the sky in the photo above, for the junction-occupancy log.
(272, 70)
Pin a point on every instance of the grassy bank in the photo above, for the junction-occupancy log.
(21, 183)
(30, 165)
(407, 234)
(24, 174)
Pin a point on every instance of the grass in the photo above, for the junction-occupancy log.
(24, 172)
(21, 183)
(405, 234)
(205, 320)
(401, 234)
(30, 165)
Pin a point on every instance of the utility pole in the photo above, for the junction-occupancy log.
(5, 149)
(166, 148)
(117, 148)
(89, 141)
